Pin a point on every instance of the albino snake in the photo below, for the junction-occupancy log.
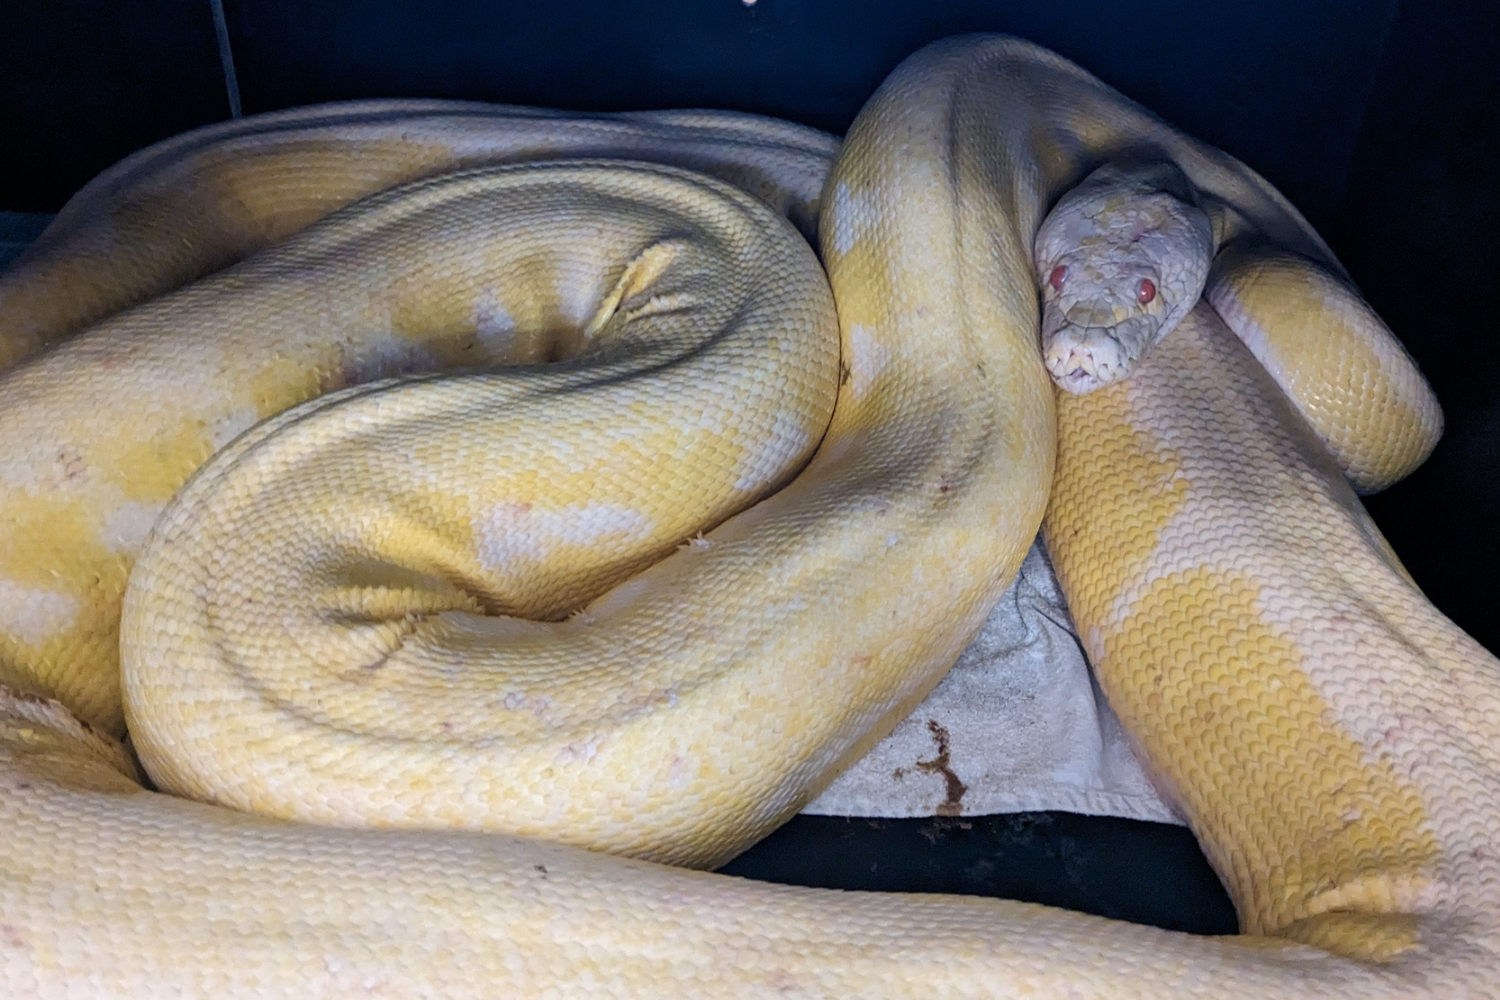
(1334, 741)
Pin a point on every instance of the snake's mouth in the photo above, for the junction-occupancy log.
(1081, 359)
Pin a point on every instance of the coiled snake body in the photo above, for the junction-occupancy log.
(1328, 734)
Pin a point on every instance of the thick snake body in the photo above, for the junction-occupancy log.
(1330, 737)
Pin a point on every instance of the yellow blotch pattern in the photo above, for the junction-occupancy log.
(1289, 808)
(1316, 834)
(1143, 494)
(1344, 370)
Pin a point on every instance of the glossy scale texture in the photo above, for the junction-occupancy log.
(1346, 798)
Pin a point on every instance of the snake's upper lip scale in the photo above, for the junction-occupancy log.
(1078, 378)
(1083, 358)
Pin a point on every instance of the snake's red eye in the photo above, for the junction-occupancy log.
(1055, 279)
(1146, 292)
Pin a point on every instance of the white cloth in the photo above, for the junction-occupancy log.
(1018, 725)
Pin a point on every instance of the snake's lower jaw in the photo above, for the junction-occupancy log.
(1077, 379)
(1081, 359)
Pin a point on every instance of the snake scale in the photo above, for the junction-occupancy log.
(1331, 738)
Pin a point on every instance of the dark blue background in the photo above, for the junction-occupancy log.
(1283, 85)
(1377, 117)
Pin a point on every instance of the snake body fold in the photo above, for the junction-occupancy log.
(1331, 738)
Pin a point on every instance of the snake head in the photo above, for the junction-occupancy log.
(1120, 260)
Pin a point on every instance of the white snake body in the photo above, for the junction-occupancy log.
(1331, 738)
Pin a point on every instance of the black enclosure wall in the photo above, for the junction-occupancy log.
(1377, 117)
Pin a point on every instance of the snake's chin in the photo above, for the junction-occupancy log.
(1079, 381)
(1081, 359)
